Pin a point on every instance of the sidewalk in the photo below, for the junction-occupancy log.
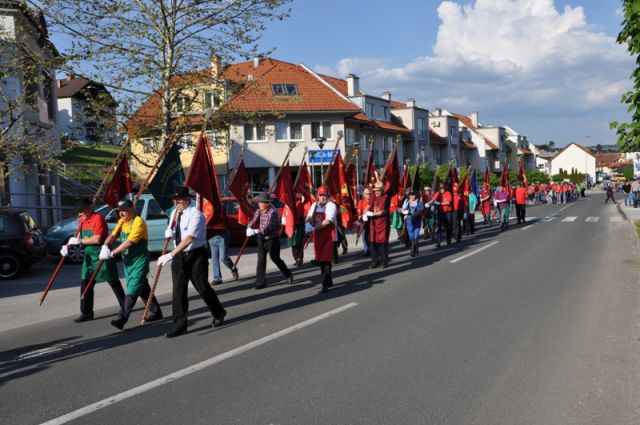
(632, 214)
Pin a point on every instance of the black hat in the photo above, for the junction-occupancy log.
(82, 203)
(124, 204)
(263, 197)
(182, 192)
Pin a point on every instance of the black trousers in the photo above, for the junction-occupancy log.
(298, 253)
(458, 219)
(470, 223)
(445, 223)
(325, 269)
(192, 266)
(272, 248)
(379, 253)
(130, 302)
(521, 211)
(86, 303)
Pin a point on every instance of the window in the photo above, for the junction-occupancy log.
(288, 131)
(184, 141)
(215, 138)
(139, 206)
(321, 129)
(284, 89)
(350, 136)
(254, 133)
(368, 109)
(296, 130)
(422, 129)
(385, 113)
(210, 99)
(182, 104)
(154, 212)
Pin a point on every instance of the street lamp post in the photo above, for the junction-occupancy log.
(321, 142)
(356, 152)
(312, 154)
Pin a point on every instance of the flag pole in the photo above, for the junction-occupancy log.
(304, 155)
(95, 197)
(143, 187)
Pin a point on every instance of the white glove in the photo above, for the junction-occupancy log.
(164, 259)
(64, 251)
(369, 213)
(365, 218)
(283, 220)
(73, 241)
(308, 228)
(405, 212)
(105, 253)
(251, 232)
(168, 233)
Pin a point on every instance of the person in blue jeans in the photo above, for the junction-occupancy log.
(219, 245)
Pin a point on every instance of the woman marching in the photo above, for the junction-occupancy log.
(412, 210)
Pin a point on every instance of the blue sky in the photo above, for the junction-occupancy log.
(549, 69)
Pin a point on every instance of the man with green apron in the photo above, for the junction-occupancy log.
(132, 234)
(93, 232)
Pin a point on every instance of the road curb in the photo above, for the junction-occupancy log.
(632, 225)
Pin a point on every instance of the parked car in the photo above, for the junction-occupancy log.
(21, 242)
(147, 207)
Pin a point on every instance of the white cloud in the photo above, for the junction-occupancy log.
(513, 59)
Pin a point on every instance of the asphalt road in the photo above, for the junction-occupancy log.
(539, 325)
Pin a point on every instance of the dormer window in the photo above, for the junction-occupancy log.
(284, 89)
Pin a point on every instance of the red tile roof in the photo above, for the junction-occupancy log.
(394, 127)
(313, 94)
(436, 139)
(397, 105)
(490, 145)
(609, 159)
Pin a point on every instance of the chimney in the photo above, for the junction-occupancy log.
(216, 66)
(386, 95)
(353, 85)
(474, 118)
(411, 103)
(256, 62)
(249, 77)
(439, 112)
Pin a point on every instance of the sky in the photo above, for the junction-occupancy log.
(551, 70)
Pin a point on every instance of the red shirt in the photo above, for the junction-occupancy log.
(97, 224)
(444, 197)
(521, 195)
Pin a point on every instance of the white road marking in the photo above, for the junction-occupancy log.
(561, 209)
(191, 369)
(548, 219)
(527, 227)
(592, 219)
(569, 219)
(616, 219)
(474, 252)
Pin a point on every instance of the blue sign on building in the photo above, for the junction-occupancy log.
(321, 156)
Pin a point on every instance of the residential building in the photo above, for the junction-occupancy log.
(522, 147)
(612, 164)
(574, 156)
(28, 110)
(86, 110)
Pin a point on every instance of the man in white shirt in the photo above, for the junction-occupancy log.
(321, 221)
(189, 261)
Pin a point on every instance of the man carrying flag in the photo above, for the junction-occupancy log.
(377, 212)
(521, 193)
(321, 221)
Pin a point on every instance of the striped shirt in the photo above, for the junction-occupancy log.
(269, 222)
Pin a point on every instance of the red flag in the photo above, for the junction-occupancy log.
(504, 179)
(522, 176)
(391, 177)
(120, 186)
(333, 177)
(284, 192)
(350, 174)
(347, 206)
(370, 172)
(304, 184)
(203, 180)
(239, 187)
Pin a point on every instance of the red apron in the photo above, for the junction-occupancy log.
(379, 227)
(486, 205)
(323, 239)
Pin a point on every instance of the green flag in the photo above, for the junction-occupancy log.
(168, 179)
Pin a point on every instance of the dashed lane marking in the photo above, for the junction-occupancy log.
(569, 219)
(592, 219)
(616, 219)
(474, 252)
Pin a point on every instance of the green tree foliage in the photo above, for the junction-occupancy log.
(627, 172)
(537, 176)
(629, 133)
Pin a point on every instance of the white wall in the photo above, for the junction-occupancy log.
(574, 157)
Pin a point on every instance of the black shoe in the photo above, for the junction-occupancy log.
(216, 282)
(219, 321)
(366, 254)
(154, 317)
(175, 332)
(438, 245)
(385, 264)
(314, 263)
(118, 323)
(264, 285)
(374, 265)
(235, 274)
(324, 289)
(84, 318)
(290, 279)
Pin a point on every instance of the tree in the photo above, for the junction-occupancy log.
(142, 46)
(629, 133)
